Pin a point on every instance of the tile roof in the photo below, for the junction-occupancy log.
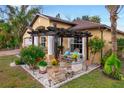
(59, 20)
(85, 25)
(76, 25)
(82, 25)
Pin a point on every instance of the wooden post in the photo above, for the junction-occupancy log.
(62, 45)
(55, 46)
(87, 50)
(38, 39)
(32, 39)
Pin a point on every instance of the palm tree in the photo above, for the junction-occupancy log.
(113, 11)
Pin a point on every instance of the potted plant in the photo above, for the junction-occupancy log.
(55, 63)
(75, 56)
(43, 66)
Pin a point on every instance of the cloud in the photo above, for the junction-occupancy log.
(121, 27)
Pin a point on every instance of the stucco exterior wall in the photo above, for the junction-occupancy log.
(62, 25)
(106, 38)
(120, 35)
(42, 21)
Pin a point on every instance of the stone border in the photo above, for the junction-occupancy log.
(61, 83)
(34, 76)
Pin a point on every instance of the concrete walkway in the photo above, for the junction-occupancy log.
(9, 52)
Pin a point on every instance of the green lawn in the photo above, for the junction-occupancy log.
(95, 79)
(17, 77)
(11, 77)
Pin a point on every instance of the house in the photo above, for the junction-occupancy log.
(96, 29)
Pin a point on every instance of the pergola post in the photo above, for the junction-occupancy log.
(50, 45)
(83, 48)
(55, 46)
(32, 39)
(87, 50)
(38, 39)
(62, 45)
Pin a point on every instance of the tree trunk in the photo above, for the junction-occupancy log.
(113, 18)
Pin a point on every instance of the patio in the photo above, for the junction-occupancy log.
(68, 68)
(61, 77)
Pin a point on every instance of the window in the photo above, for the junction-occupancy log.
(43, 41)
(76, 43)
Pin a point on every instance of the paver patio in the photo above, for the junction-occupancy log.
(44, 78)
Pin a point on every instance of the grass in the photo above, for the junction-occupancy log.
(15, 77)
(11, 77)
(95, 79)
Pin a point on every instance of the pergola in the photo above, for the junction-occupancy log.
(62, 33)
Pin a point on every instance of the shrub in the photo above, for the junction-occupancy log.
(112, 67)
(18, 61)
(96, 44)
(54, 62)
(31, 54)
(104, 58)
(42, 63)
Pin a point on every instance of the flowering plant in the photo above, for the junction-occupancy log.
(54, 62)
(75, 56)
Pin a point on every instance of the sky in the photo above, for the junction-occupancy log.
(73, 11)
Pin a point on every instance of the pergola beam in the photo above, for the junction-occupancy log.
(61, 32)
